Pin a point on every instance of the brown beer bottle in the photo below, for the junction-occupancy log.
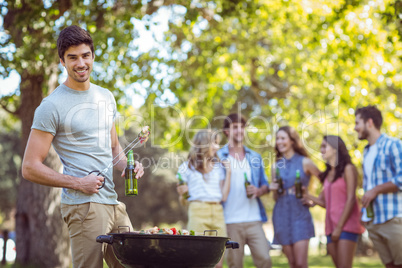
(369, 211)
(279, 181)
(247, 183)
(298, 185)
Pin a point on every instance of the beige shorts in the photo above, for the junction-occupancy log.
(87, 221)
(205, 216)
(252, 234)
(387, 240)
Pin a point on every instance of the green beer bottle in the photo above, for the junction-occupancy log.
(298, 185)
(279, 181)
(369, 211)
(131, 181)
(247, 183)
(182, 182)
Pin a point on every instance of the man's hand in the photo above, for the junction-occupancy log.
(139, 169)
(90, 184)
(369, 196)
(254, 191)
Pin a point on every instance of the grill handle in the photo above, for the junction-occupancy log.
(231, 244)
(105, 239)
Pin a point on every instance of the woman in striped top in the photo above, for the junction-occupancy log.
(206, 184)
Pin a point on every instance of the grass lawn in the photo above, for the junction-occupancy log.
(318, 261)
(315, 261)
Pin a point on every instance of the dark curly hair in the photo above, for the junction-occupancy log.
(342, 157)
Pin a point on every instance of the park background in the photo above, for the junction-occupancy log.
(183, 65)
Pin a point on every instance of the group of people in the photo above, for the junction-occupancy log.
(75, 120)
(219, 199)
(217, 177)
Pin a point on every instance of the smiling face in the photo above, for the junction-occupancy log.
(283, 142)
(78, 61)
(361, 128)
(327, 151)
(236, 133)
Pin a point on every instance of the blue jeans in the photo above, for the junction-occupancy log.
(346, 236)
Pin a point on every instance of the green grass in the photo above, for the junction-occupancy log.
(317, 261)
(314, 261)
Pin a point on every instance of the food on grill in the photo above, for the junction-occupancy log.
(169, 231)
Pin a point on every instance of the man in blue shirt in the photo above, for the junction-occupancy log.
(243, 210)
(382, 182)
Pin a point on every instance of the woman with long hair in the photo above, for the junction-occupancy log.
(342, 220)
(206, 184)
(293, 224)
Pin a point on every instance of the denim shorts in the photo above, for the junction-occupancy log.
(346, 236)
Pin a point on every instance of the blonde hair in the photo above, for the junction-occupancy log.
(199, 157)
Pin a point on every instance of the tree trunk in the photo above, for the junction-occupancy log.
(5, 240)
(41, 235)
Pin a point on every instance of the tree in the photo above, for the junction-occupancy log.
(31, 29)
(306, 64)
(9, 179)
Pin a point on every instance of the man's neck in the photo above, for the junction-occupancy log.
(79, 86)
(373, 137)
(236, 149)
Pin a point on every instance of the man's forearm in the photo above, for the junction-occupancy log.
(263, 190)
(388, 187)
(42, 174)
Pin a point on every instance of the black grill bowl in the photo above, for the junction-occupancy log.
(160, 250)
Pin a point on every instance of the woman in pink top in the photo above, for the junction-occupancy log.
(342, 221)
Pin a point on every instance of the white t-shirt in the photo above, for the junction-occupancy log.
(203, 187)
(368, 165)
(238, 208)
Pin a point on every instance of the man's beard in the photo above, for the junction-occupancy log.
(364, 135)
(237, 141)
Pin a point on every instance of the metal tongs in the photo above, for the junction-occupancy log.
(142, 137)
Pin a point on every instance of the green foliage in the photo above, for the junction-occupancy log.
(262, 56)
(308, 64)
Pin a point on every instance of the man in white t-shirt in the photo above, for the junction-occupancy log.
(243, 210)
